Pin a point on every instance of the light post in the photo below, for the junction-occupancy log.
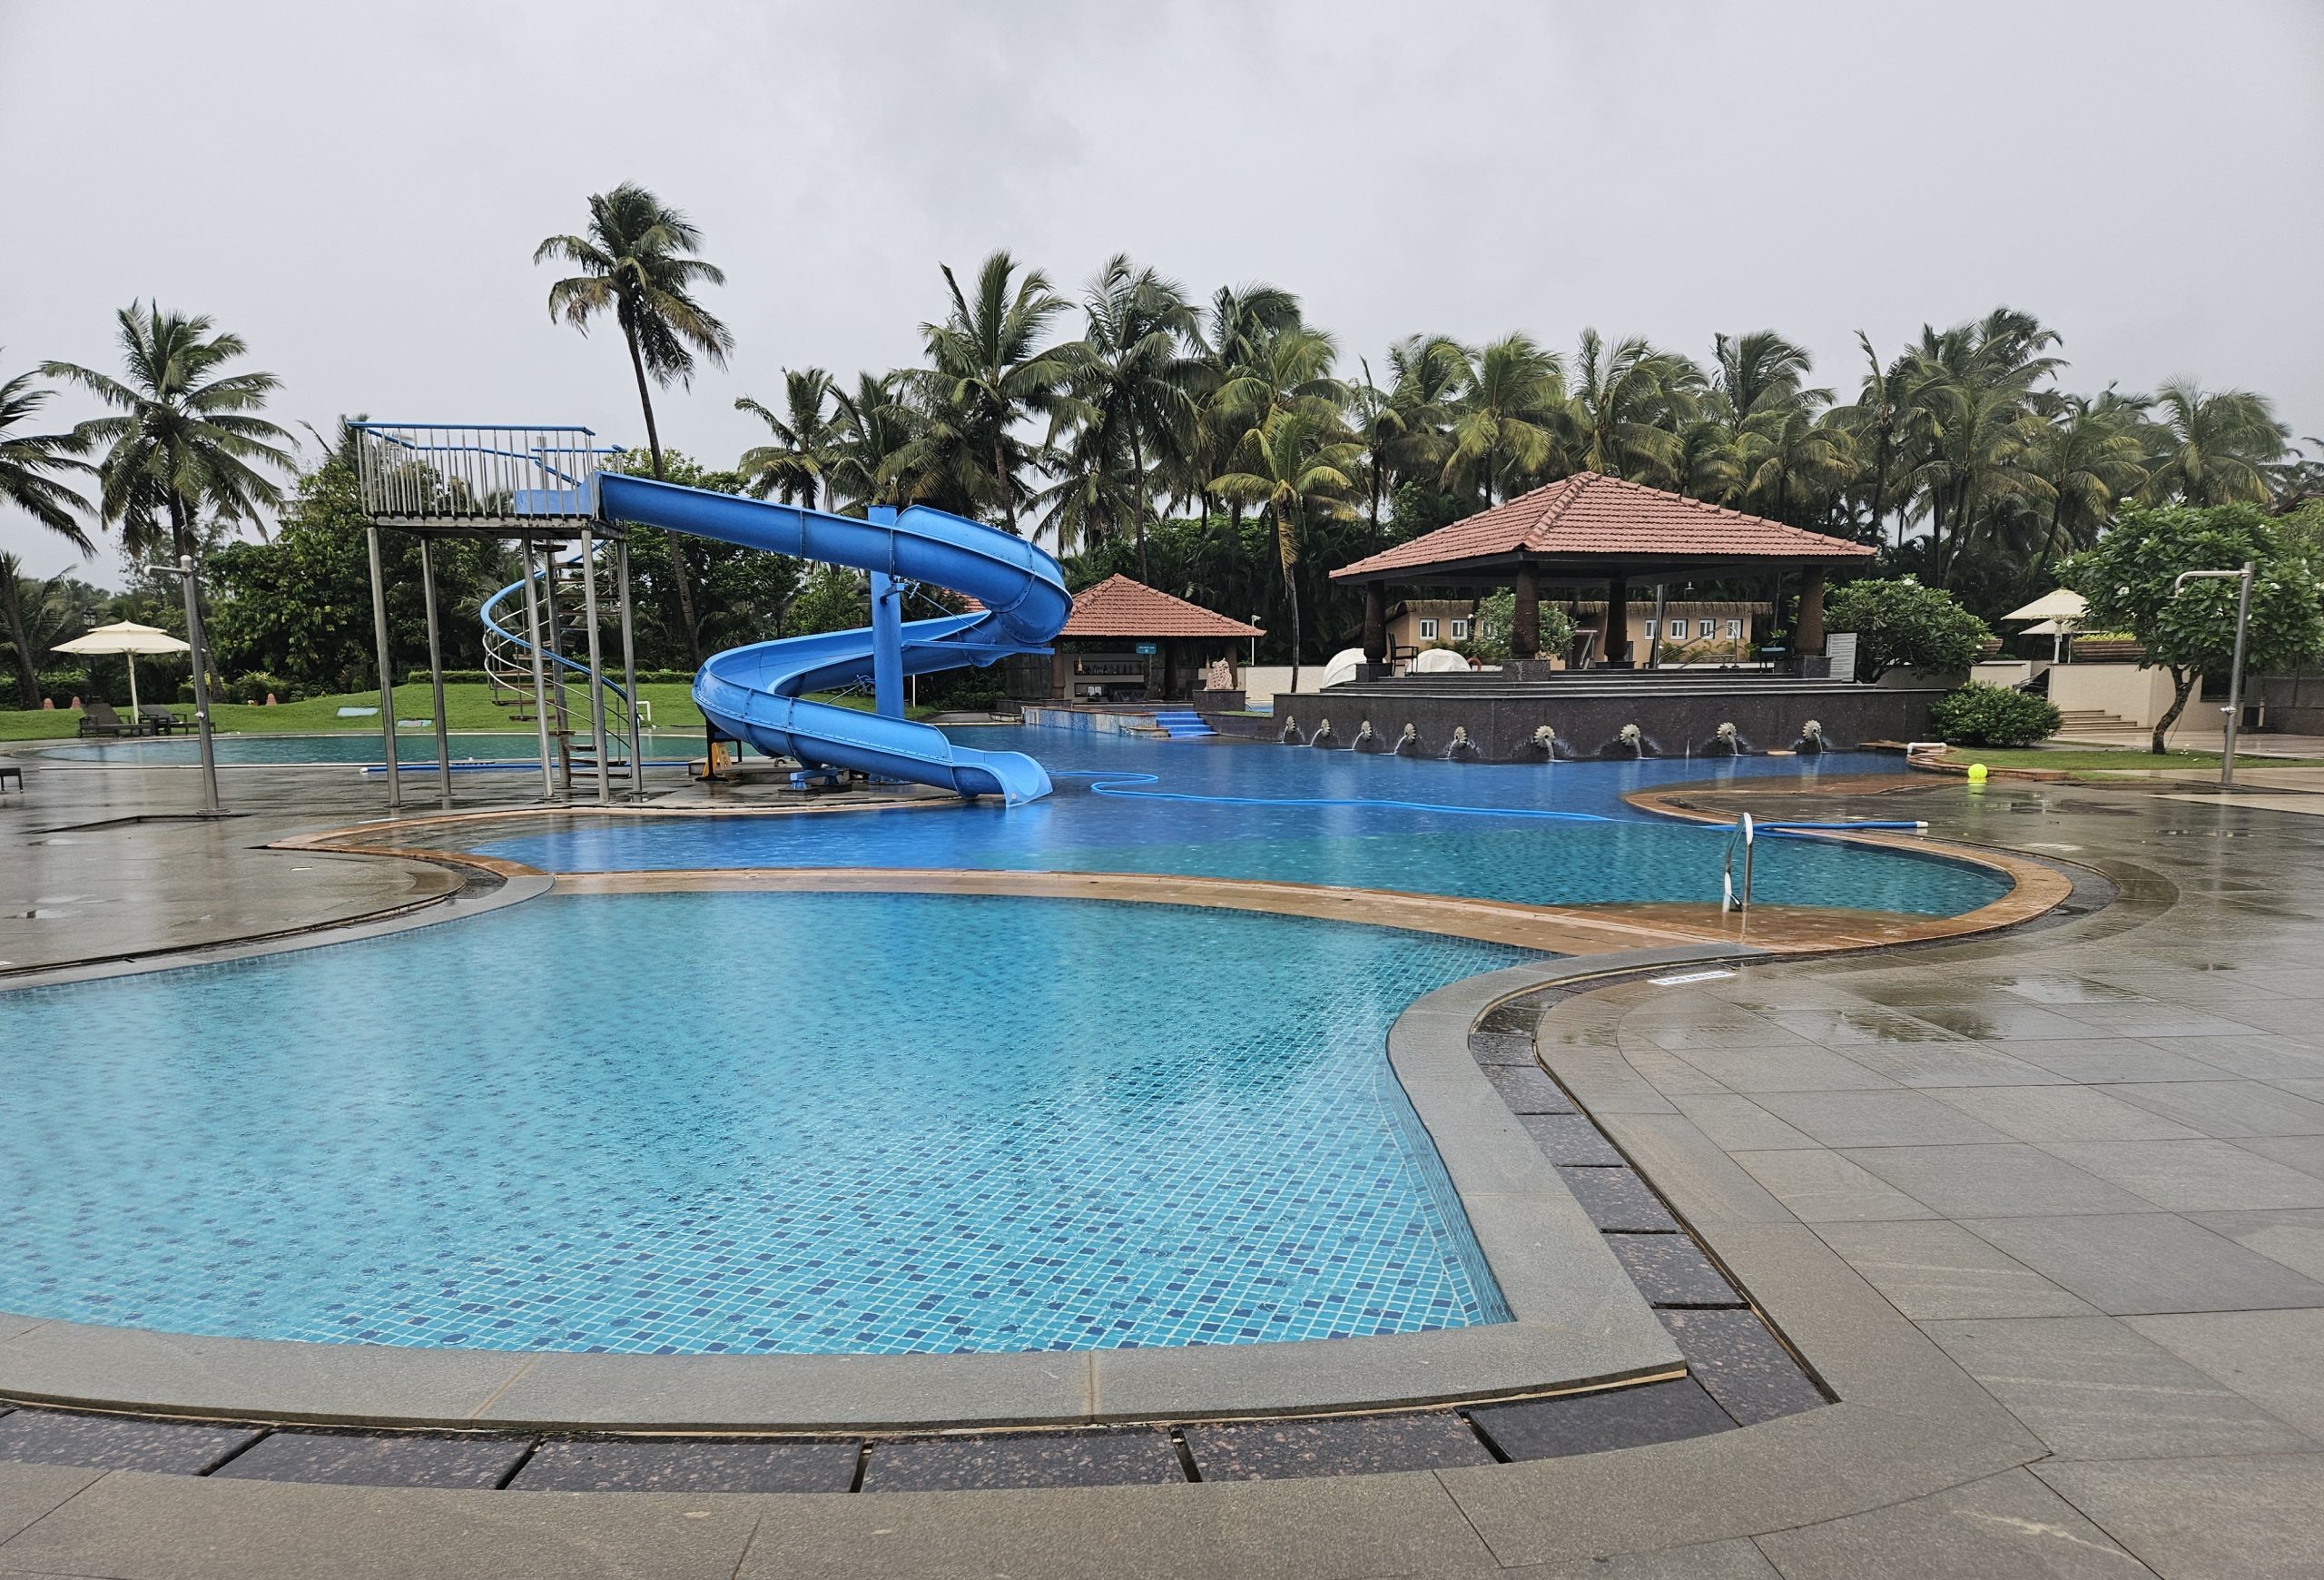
(198, 651)
(2235, 669)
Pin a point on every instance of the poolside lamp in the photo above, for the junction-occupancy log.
(128, 638)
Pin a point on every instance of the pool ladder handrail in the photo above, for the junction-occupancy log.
(1728, 900)
(508, 672)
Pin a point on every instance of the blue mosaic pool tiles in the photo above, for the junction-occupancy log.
(747, 1124)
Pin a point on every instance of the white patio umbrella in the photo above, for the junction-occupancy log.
(2058, 614)
(128, 638)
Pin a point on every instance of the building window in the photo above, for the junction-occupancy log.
(1428, 630)
(1459, 630)
(1708, 628)
(1650, 630)
(1734, 630)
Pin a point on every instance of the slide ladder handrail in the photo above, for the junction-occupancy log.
(508, 668)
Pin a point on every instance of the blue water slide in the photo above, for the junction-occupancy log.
(755, 694)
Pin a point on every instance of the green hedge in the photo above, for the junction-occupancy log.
(613, 673)
(1994, 715)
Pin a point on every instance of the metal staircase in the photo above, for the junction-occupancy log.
(554, 598)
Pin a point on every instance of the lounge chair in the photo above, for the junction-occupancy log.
(9, 771)
(160, 720)
(98, 718)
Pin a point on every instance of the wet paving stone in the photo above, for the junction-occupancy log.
(103, 1443)
(1517, 1016)
(1617, 1200)
(1571, 1139)
(577, 1467)
(1502, 1047)
(1670, 1269)
(1527, 1090)
(1022, 1459)
(1341, 1446)
(346, 1460)
(1593, 1423)
(1740, 1363)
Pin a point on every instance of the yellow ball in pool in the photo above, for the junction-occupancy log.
(1977, 773)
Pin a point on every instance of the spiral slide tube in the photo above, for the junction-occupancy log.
(755, 694)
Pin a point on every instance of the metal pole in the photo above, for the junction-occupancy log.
(540, 668)
(2235, 678)
(597, 667)
(563, 730)
(199, 654)
(1654, 644)
(436, 670)
(629, 674)
(1746, 906)
(386, 681)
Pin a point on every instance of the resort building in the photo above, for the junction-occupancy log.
(1127, 642)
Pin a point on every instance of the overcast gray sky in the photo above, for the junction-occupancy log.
(358, 190)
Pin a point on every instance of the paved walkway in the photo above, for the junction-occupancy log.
(2047, 1210)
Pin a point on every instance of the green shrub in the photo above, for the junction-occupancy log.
(613, 673)
(257, 687)
(1994, 715)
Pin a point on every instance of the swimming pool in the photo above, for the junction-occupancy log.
(413, 748)
(1256, 817)
(737, 1123)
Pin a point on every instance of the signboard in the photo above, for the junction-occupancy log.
(1839, 649)
(1145, 649)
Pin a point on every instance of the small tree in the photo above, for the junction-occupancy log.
(1902, 624)
(2128, 579)
(1497, 627)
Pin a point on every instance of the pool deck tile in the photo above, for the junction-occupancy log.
(1570, 1139)
(1527, 1090)
(418, 1459)
(1131, 1456)
(1336, 1446)
(1670, 1269)
(1594, 1423)
(2010, 1524)
(571, 1465)
(2147, 1263)
(1738, 1362)
(109, 1443)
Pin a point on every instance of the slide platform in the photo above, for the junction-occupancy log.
(755, 694)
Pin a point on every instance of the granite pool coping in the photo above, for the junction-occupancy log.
(1579, 1322)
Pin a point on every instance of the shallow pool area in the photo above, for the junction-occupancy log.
(740, 1123)
(1532, 834)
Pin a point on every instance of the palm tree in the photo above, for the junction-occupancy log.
(989, 372)
(186, 437)
(1754, 371)
(2087, 459)
(635, 262)
(29, 468)
(1131, 380)
(1228, 339)
(1626, 407)
(1792, 467)
(1299, 463)
(1877, 422)
(1503, 427)
(797, 466)
(872, 433)
(35, 615)
(1381, 429)
(1971, 419)
(2212, 447)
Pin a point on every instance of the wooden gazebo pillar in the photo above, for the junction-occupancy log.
(1618, 620)
(1809, 630)
(1376, 623)
(1525, 625)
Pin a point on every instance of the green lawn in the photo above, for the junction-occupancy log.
(465, 708)
(2103, 759)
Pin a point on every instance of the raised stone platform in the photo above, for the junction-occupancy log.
(1678, 713)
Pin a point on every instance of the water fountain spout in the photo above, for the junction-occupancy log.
(1321, 735)
(1462, 745)
(1291, 736)
(1408, 741)
(1727, 741)
(1811, 738)
(1545, 741)
(1633, 739)
(1363, 734)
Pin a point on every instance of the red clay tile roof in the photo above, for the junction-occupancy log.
(1118, 607)
(1591, 515)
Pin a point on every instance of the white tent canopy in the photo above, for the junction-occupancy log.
(126, 638)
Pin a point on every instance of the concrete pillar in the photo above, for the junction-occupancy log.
(1809, 632)
(1376, 623)
(1525, 627)
(1618, 620)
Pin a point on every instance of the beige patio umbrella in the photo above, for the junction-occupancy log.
(128, 638)
(2058, 615)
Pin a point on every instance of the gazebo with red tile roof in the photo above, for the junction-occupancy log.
(1589, 529)
(1120, 609)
